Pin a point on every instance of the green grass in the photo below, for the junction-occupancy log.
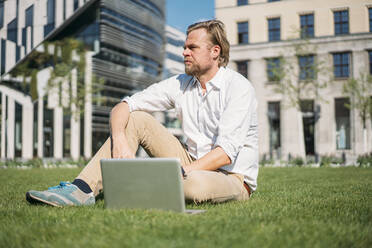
(294, 207)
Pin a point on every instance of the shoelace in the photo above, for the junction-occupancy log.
(60, 186)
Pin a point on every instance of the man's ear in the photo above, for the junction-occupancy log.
(216, 50)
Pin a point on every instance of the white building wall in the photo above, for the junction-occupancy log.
(358, 42)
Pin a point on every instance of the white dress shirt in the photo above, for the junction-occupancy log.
(225, 115)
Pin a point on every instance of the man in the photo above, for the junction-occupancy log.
(218, 110)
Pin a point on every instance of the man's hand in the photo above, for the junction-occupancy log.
(120, 147)
(210, 161)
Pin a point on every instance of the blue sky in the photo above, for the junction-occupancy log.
(182, 13)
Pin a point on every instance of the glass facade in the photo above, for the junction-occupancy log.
(274, 29)
(242, 2)
(18, 131)
(149, 6)
(342, 124)
(242, 67)
(273, 114)
(174, 57)
(307, 26)
(131, 27)
(306, 64)
(243, 33)
(177, 43)
(273, 69)
(341, 65)
(341, 20)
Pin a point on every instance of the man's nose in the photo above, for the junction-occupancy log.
(186, 52)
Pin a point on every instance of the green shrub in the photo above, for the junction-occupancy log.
(297, 161)
(365, 160)
(327, 160)
(35, 162)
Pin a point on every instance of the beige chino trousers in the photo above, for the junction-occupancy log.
(199, 186)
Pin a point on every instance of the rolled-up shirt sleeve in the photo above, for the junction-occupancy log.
(157, 97)
(235, 121)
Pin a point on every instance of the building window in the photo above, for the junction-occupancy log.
(370, 19)
(3, 56)
(274, 29)
(35, 131)
(341, 63)
(242, 2)
(48, 131)
(242, 68)
(12, 31)
(273, 69)
(29, 22)
(18, 131)
(307, 26)
(306, 65)
(51, 12)
(273, 115)
(243, 29)
(342, 124)
(174, 57)
(1, 14)
(308, 121)
(370, 62)
(76, 4)
(341, 19)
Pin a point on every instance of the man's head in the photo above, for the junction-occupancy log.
(206, 46)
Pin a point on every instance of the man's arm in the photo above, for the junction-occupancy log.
(213, 160)
(118, 121)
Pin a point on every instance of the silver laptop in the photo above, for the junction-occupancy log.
(148, 183)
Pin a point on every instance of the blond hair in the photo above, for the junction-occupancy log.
(217, 35)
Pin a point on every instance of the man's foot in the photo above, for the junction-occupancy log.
(65, 194)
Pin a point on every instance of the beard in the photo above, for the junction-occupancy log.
(192, 69)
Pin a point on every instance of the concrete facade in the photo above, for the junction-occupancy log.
(323, 45)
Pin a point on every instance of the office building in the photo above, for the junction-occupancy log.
(123, 44)
(335, 37)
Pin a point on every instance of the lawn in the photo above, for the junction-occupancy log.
(294, 207)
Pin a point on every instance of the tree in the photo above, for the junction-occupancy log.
(298, 76)
(63, 56)
(359, 90)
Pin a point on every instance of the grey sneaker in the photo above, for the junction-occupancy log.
(65, 194)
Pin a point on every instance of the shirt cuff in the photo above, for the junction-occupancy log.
(128, 100)
(230, 150)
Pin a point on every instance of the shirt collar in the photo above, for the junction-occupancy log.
(216, 81)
